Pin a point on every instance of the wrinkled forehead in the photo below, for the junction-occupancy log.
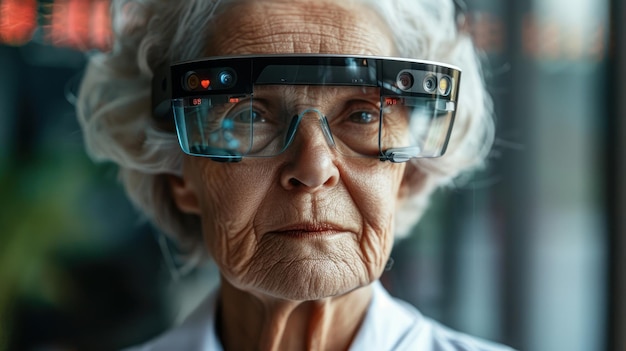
(298, 26)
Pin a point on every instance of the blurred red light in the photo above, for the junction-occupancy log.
(101, 25)
(18, 21)
(69, 24)
(80, 24)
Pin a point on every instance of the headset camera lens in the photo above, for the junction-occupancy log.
(430, 84)
(405, 81)
(226, 78)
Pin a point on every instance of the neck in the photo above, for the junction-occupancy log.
(250, 321)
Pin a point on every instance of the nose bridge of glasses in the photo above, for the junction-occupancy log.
(307, 119)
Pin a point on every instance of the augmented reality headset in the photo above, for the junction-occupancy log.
(229, 108)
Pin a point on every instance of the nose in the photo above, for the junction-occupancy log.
(311, 164)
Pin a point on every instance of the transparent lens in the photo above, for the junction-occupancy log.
(353, 121)
(223, 126)
(416, 126)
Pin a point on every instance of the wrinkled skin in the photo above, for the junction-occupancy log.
(300, 236)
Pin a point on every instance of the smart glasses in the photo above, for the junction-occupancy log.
(229, 108)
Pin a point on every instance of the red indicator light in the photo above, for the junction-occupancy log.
(234, 100)
(391, 101)
(196, 102)
(205, 83)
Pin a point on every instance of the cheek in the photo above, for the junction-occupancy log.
(376, 193)
(376, 196)
(229, 197)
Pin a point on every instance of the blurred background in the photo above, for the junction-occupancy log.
(529, 252)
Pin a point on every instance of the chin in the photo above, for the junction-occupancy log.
(312, 280)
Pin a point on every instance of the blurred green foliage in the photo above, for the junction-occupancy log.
(42, 214)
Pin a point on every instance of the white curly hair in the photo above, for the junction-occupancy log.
(114, 102)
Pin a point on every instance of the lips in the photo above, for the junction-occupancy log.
(310, 230)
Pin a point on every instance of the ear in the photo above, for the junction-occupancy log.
(413, 181)
(184, 195)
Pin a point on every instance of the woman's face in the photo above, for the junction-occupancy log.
(309, 223)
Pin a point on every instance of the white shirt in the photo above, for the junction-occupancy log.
(390, 324)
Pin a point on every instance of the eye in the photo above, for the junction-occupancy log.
(363, 117)
(248, 116)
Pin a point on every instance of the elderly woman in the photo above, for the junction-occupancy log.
(290, 141)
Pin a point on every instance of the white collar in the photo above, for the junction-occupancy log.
(389, 324)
